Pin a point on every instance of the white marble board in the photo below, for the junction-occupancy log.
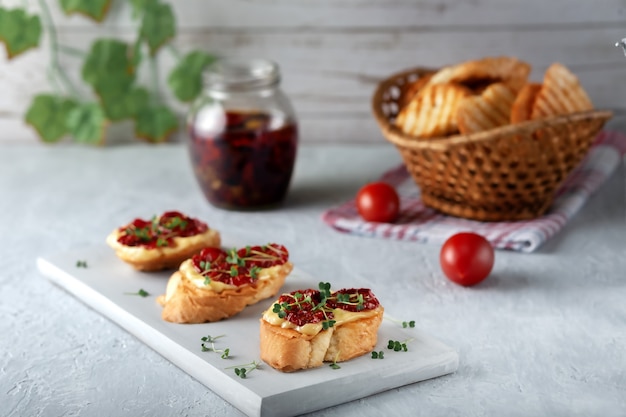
(105, 283)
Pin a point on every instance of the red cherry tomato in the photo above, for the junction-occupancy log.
(466, 258)
(378, 202)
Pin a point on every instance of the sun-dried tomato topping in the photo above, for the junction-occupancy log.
(238, 266)
(160, 230)
(302, 307)
(264, 256)
(358, 299)
(312, 306)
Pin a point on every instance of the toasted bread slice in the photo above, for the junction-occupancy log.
(489, 110)
(431, 113)
(186, 302)
(561, 93)
(289, 350)
(524, 102)
(167, 257)
(305, 328)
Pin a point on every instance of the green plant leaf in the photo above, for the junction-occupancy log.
(185, 80)
(87, 123)
(19, 31)
(158, 25)
(136, 55)
(140, 6)
(94, 9)
(124, 105)
(155, 124)
(48, 115)
(107, 67)
(115, 84)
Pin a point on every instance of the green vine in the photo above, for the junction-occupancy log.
(108, 70)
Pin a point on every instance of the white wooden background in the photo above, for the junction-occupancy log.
(333, 52)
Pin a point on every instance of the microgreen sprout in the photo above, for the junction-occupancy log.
(324, 288)
(398, 346)
(254, 272)
(81, 264)
(347, 299)
(334, 365)
(404, 324)
(161, 229)
(142, 233)
(175, 222)
(210, 340)
(141, 293)
(325, 295)
(327, 324)
(242, 371)
(234, 258)
(282, 308)
(251, 254)
(378, 355)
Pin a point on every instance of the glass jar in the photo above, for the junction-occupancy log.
(243, 135)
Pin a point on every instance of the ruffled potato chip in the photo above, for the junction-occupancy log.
(489, 110)
(524, 102)
(413, 89)
(431, 112)
(561, 93)
(478, 74)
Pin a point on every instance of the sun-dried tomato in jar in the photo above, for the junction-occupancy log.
(243, 135)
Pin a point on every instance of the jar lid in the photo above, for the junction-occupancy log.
(239, 74)
(622, 44)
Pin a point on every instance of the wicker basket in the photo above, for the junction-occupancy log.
(508, 173)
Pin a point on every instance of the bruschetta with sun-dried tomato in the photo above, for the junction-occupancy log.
(216, 284)
(162, 242)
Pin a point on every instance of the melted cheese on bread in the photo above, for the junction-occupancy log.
(311, 329)
(143, 254)
(189, 271)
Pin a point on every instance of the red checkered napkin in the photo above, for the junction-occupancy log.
(422, 224)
